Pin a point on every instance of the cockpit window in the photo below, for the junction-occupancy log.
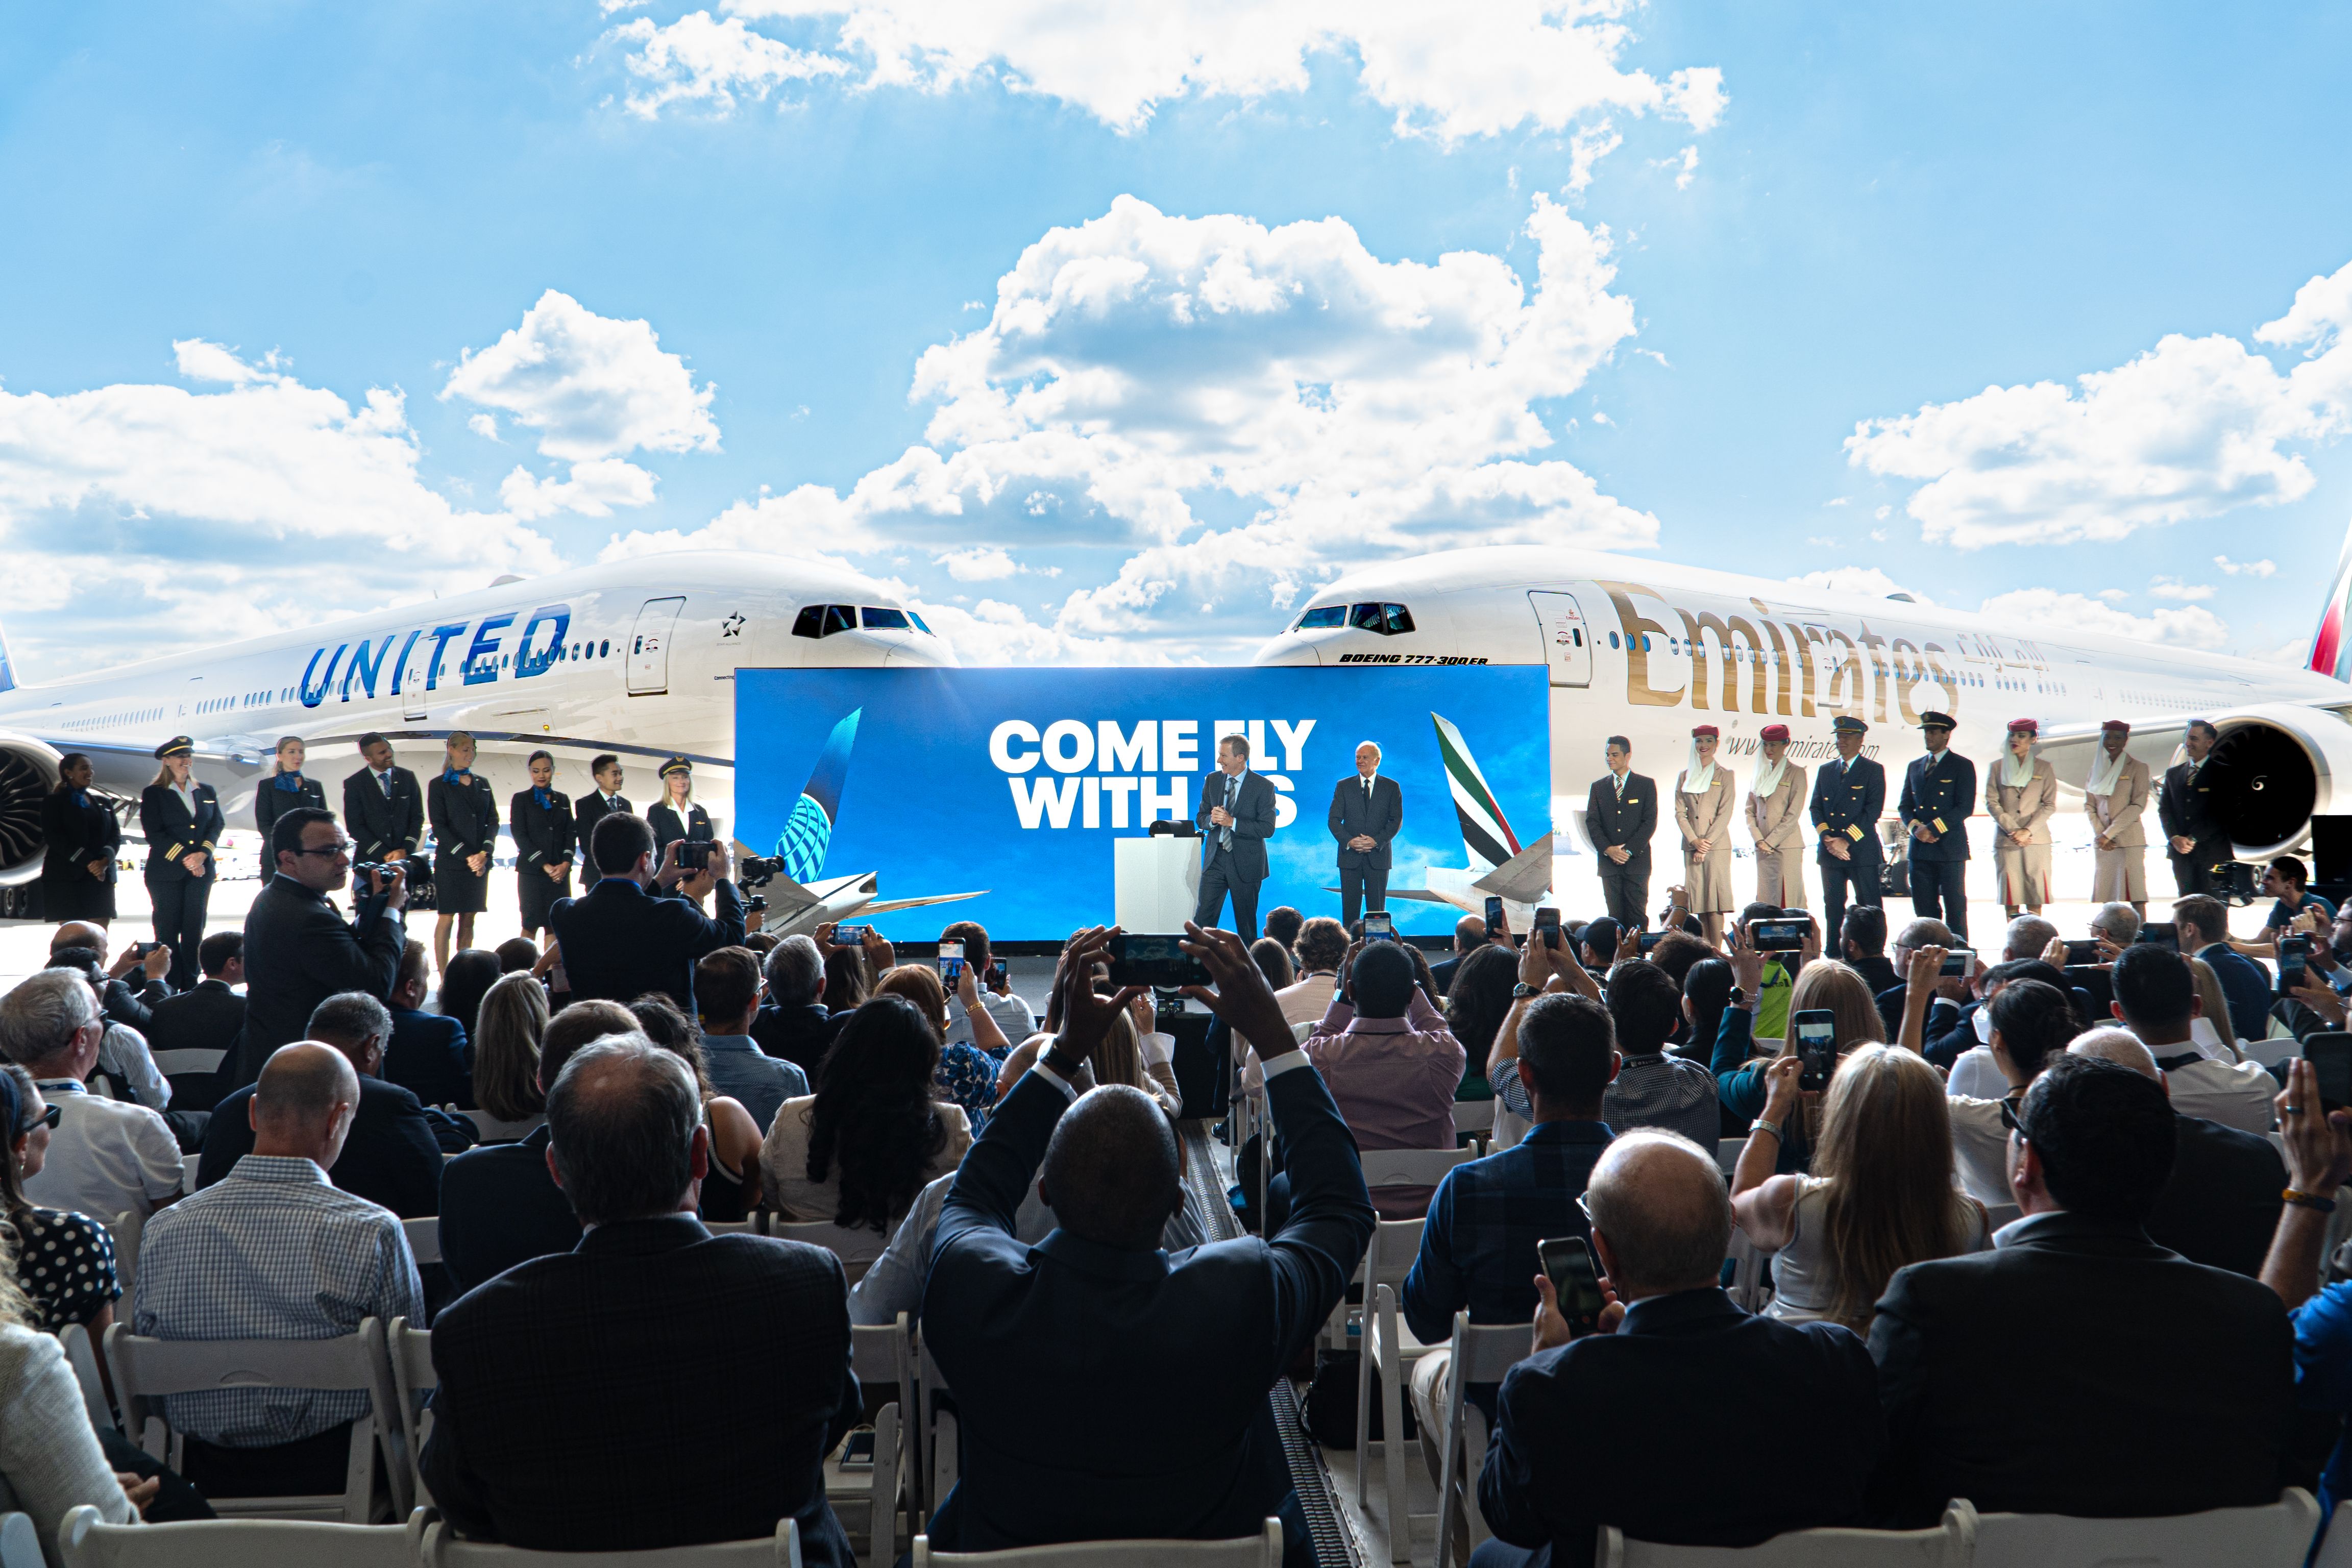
(1388, 620)
(1322, 617)
(880, 620)
(810, 622)
(1399, 619)
(839, 618)
(919, 624)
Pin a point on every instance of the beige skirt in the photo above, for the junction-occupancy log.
(1781, 878)
(1708, 881)
(2119, 876)
(2024, 873)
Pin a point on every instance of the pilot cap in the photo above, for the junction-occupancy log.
(1706, 729)
(2117, 725)
(177, 746)
(677, 765)
(1773, 733)
(2025, 727)
(1847, 724)
(1931, 720)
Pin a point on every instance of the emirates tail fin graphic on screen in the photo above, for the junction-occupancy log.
(1497, 863)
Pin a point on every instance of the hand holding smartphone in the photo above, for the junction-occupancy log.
(951, 961)
(1567, 1263)
(1548, 928)
(1495, 926)
(1815, 1033)
(1379, 926)
(2294, 961)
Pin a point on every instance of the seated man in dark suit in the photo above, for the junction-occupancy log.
(792, 1024)
(1469, 936)
(620, 941)
(564, 1420)
(500, 1203)
(427, 1055)
(2059, 1372)
(1862, 945)
(392, 1156)
(298, 950)
(1107, 1390)
(193, 1034)
(1675, 1365)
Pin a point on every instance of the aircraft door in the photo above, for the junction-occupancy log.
(1568, 637)
(418, 653)
(649, 646)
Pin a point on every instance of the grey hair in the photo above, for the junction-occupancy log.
(795, 972)
(624, 1152)
(40, 1017)
(1662, 1242)
(351, 1016)
(2119, 923)
(2036, 932)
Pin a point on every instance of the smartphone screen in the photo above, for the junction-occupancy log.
(1568, 1262)
(1958, 960)
(1153, 960)
(2331, 1058)
(1494, 916)
(1778, 936)
(2082, 952)
(857, 1453)
(1377, 926)
(1651, 939)
(1548, 927)
(1815, 1032)
(951, 961)
(2295, 955)
(2160, 933)
(850, 936)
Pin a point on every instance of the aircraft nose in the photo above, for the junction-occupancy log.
(1288, 648)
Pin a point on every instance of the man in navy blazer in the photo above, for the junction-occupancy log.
(298, 950)
(1108, 1389)
(1236, 818)
(1367, 810)
(620, 941)
(1848, 794)
(1939, 795)
(427, 1054)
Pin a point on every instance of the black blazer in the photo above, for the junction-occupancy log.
(1252, 823)
(527, 1450)
(500, 1207)
(428, 1057)
(298, 952)
(1848, 800)
(2223, 1200)
(1623, 823)
(1350, 816)
(465, 816)
(797, 1035)
(543, 836)
(270, 803)
(206, 1023)
(667, 829)
(1939, 789)
(2061, 1372)
(73, 835)
(1580, 1428)
(173, 833)
(589, 810)
(620, 942)
(2185, 807)
(1178, 1442)
(391, 1157)
(378, 826)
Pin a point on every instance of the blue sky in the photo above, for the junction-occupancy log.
(1110, 344)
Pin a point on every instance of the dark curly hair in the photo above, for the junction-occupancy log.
(1479, 998)
(875, 1117)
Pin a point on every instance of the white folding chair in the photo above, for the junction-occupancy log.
(438, 1546)
(2274, 1536)
(1746, 1271)
(884, 1355)
(424, 1240)
(146, 1370)
(1263, 1549)
(1389, 1351)
(1474, 1115)
(125, 1230)
(1414, 1167)
(404, 1376)
(857, 1249)
(877, 1488)
(20, 1543)
(82, 1356)
(936, 1430)
(89, 1543)
(1482, 1352)
(1950, 1544)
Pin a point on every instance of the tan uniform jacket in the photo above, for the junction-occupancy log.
(1706, 815)
(1777, 819)
(2122, 816)
(2028, 807)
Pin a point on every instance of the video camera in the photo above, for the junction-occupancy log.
(758, 871)
(419, 871)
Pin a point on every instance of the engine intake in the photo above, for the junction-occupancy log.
(28, 770)
(2274, 768)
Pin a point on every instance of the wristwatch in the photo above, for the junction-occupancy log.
(1523, 990)
(1065, 1066)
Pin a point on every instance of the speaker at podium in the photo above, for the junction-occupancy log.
(1156, 879)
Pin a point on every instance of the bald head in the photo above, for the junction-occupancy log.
(303, 1102)
(1659, 1206)
(79, 933)
(1110, 1173)
(2120, 1046)
(1469, 932)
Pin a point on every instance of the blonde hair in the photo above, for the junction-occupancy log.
(918, 983)
(1886, 1151)
(667, 797)
(279, 751)
(2215, 1000)
(507, 1034)
(1827, 984)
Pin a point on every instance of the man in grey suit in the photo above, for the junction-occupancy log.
(1366, 812)
(1236, 818)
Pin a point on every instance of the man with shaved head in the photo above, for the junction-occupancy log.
(1108, 1390)
(273, 1251)
(1583, 1419)
(135, 984)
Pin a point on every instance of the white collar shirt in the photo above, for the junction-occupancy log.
(2235, 1094)
(1016, 1019)
(1981, 1149)
(106, 1156)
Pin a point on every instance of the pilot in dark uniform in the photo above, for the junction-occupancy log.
(182, 821)
(544, 835)
(384, 805)
(1620, 816)
(285, 789)
(2199, 846)
(1849, 793)
(1940, 791)
(677, 816)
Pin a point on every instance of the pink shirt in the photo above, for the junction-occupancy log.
(1393, 1080)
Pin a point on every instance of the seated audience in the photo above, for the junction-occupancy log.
(392, 1152)
(2117, 925)
(515, 952)
(1880, 1195)
(2155, 999)
(727, 990)
(1706, 992)
(1951, 991)
(730, 1190)
(499, 1205)
(508, 1026)
(2211, 1031)
(470, 974)
(1390, 1062)
(128, 990)
(612, 1339)
(105, 1156)
(2030, 1022)
(50, 1461)
(1476, 1001)
(1469, 936)
(2203, 924)
(858, 1150)
(1032, 1337)
(1654, 1089)
(1321, 948)
(623, 937)
(1130, 1053)
(195, 1034)
(845, 987)
(427, 1053)
(1596, 943)
(1016, 1020)
(1974, 1074)
(126, 1066)
(967, 1074)
(2059, 1372)
(273, 1251)
(1273, 961)
(792, 1024)
(1861, 947)
(1282, 925)
(1674, 1366)
(63, 1261)
(2220, 1204)
(1740, 1082)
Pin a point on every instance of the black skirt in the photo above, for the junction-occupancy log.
(82, 899)
(457, 890)
(538, 894)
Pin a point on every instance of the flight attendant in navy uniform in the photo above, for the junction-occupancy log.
(1940, 791)
(182, 821)
(544, 835)
(465, 831)
(677, 816)
(1849, 793)
(285, 789)
(79, 838)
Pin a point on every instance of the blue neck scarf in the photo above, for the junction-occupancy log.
(290, 783)
(82, 799)
(454, 776)
(546, 801)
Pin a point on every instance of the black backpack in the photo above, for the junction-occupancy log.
(1331, 1402)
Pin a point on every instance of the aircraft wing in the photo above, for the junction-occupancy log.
(1419, 895)
(1525, 877)
(884, 905)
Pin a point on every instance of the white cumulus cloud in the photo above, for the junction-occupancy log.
(708, 63)
(593, 490)
(2245, 568)
(2172, 588)
(979, 564)
(590, 385)
(2191, 626)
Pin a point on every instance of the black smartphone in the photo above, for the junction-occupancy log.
(1153, 960)
(1567, 1261)
(1778, 936)
(142, 949)
(995, 973)
(2083, 953)
(951, 961)
(1494, 917)
(2293, 958)
(2160, 933)
(693, 854)
(1548, 927)
(1651, 939)
(2330, 1056)
(1958, 960)
(1814, 1031)
(850, 936)
(1379, 927)
(857, 1453)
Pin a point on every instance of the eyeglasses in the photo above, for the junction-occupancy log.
(48, 1119)
(1583, 1207)
(340, 847)
(2009, 1117)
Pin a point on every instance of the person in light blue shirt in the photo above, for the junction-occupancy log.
(726, 993)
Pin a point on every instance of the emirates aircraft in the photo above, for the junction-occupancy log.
(1645, 649)
(636, 657)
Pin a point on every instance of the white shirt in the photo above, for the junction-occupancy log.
(1014, 1019)
(122, 1051)
(2235, 1094)
(106, 1156)
(1975, 1077)
(1306, 1002)
(1981, 1149)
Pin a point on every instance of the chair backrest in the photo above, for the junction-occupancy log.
(90, 1542)
(189, 1060)
(732, 1226)
(440, 1547)
(1474, 1115)
(1411, 1167)
(20, 1543)
(883, 1357)
(857, 1249)
(1388, 1257)
(1726, 1153)
(82, 1356)
(424, 1239)
(1482, 1352)
(125, 1230)
(1950, 1544)
(1263, 1549)
(407, 1359)
(2274, 1536)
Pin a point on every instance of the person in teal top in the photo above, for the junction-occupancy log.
(1740, 1087)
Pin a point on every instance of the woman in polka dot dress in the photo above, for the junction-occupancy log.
(64, 1261)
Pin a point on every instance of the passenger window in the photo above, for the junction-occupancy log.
(1399, 619)
(884, 620)
(810, 622)
(1322, 618)
(839, 618)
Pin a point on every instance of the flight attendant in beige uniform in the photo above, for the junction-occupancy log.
(2021, 797)
(2116, 800)
(1776, 816)
(1705, 796)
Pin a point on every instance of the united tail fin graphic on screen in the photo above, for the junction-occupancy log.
(2331, 650)
(1485, 834)
(809, 831)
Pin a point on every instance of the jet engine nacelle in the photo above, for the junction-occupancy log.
(28, 770)
(2274, 767)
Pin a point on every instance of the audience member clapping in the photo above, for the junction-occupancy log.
(731, 1189)
(967, 1074)
(727, 990)
(427, 1054)
(105, 1155)
(1390, 1062)
(511, 1022)
(792, 1024)
(874, 1134)
(64, 1261)
(2156, 999)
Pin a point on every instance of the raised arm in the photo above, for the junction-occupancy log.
(2319, 1161)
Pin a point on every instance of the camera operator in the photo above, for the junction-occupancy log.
(620, 939)
(298, 949)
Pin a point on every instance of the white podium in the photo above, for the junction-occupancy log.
(1155, 883)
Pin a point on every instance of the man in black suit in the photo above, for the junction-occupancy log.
(2184, 804)
(1236, 818)
(1582, 1422)
(1862, 944)
(297, 951)
(394, 1154)
(1469, 936)
(118, 1000)
(384, 804)
(619, 941)
(2057, 1373)
(1849, 793)
(1068, 1432)
(606, 800)
(426, 1053)
(1366, 812)
(791, 1024)
(1620, 816)
(563, 1420)
(193, 1035)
